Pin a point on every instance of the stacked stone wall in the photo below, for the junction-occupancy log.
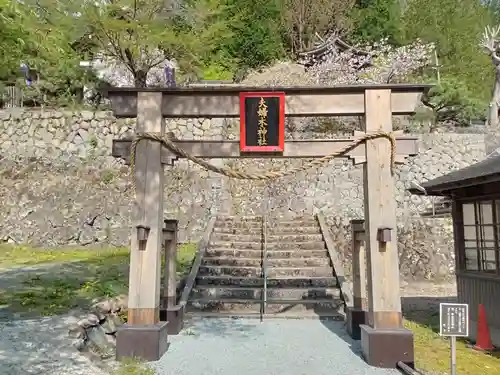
(59, 186)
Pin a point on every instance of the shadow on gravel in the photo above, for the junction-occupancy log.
(338, 328)
(59, 288)
(54, 289)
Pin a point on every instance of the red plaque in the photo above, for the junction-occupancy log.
(262, 122)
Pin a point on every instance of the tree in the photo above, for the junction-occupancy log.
(377, 19)
(256, 38)
(22, 38)
(27, 37)
(304, 19)
(494, 7)
(384, 64)
(450, 101)
(491, 43)
(454, 27)
(141, 34)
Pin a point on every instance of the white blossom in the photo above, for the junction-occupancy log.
(383, 64)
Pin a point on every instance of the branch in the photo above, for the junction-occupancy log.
(130, 61)
(390, 76)
(426, 101)
(489, 38)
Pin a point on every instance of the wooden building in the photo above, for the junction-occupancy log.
(475, 195)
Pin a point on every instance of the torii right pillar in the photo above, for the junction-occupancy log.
(384, 340)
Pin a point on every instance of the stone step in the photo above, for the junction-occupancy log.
(271, 262)
(247, 245)
(271, 230)
(248, 225)
(269, 218)
(239, 218)
(300, 222)
(292, 312)
(278, 282)
(271, 272)
(269, 239)
(251, 293)
(271, 254)
(287, 308)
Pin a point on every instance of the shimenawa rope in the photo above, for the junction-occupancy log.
(262, 175)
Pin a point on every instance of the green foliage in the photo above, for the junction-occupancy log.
(377, 19)
(455, 29)
(257, 35)
(42, 41)
(203, 31)
(24, 38)
(216, 71)
(494, 8)
(451, 100)
(224, 39)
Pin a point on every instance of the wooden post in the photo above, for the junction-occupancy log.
(170, 311)
(359, 265)
(170, 268)
(144, 336)
(384, 341)
(356, 314)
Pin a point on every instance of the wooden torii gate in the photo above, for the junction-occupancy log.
(384, 339)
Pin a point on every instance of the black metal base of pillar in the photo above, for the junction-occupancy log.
(144, 342)
(386, 347)
(354, 318)
(175, 318)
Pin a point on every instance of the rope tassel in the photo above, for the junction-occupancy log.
(262, 175)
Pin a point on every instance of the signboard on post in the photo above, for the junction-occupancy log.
(454, 319)
(262, 122)
(454, 322)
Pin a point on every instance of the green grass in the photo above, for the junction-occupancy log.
(432, 352)
(73, 278)
(132, 366)
(22, 256)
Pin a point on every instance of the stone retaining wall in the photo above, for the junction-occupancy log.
(60, 187)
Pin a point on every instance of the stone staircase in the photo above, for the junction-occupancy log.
(300, 281)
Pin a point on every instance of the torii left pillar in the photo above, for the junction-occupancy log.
(144, 336)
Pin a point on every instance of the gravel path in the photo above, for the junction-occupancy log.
(42, 347)
(273, 347)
